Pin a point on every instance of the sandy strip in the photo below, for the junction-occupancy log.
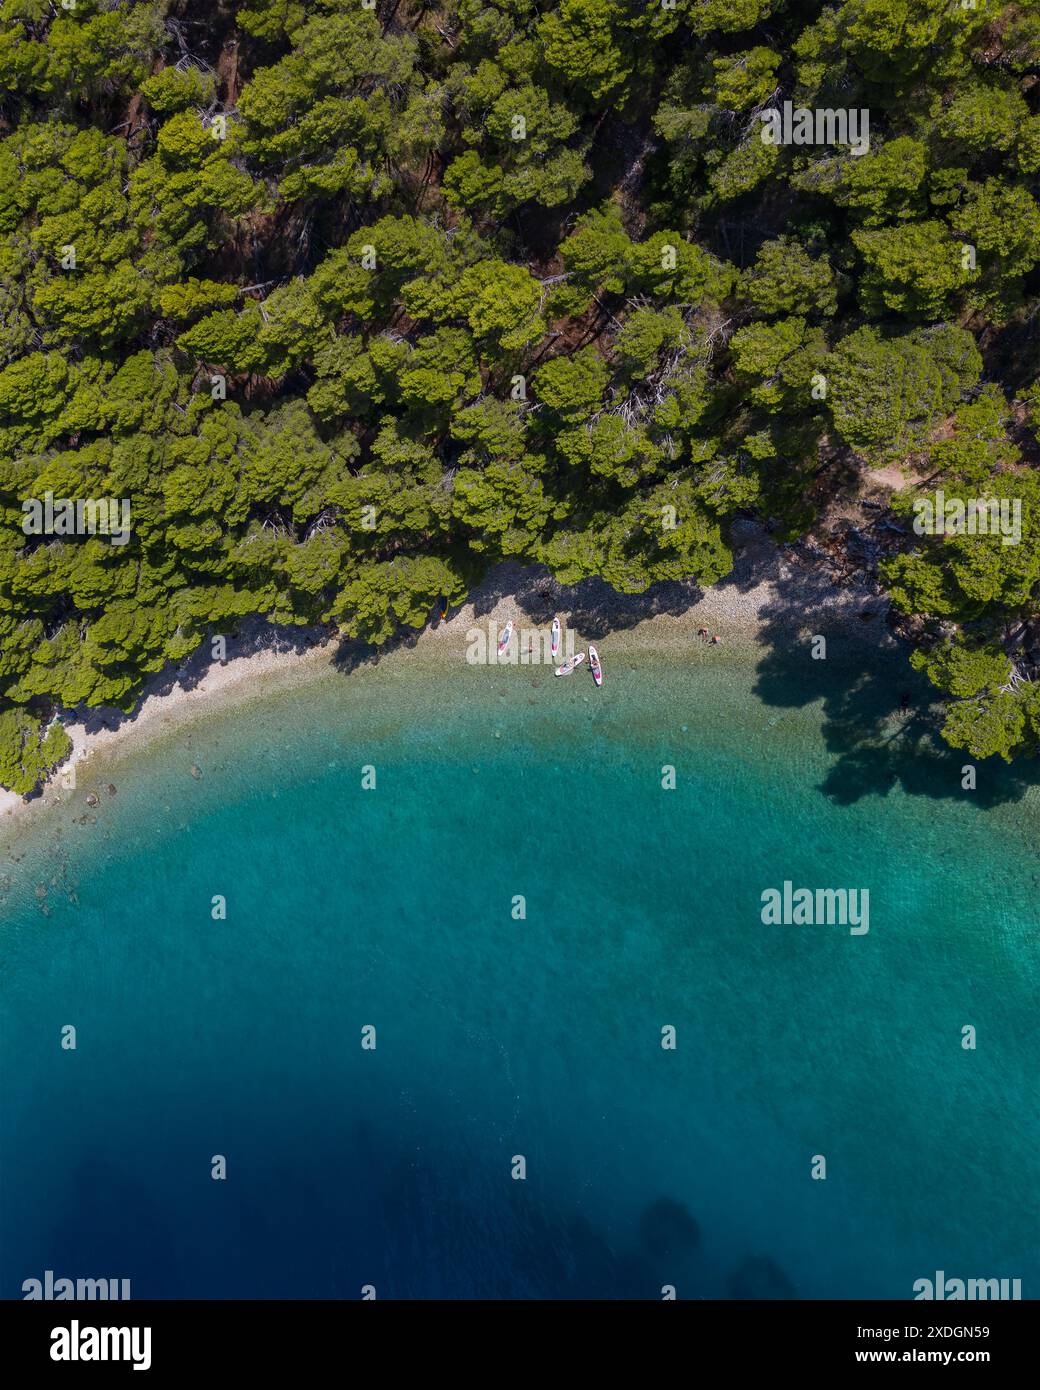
(770, 596)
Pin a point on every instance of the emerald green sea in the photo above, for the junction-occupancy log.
(530, 1030)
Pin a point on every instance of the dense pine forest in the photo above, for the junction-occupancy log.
(351, 299)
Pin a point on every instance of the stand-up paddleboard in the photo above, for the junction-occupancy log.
(554, 642)
(569, 666)
(594, 666)
(503, 641)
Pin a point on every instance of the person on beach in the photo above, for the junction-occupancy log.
(715, 639)
(702, 632)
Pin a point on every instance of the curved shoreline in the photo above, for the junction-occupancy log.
(769, 596)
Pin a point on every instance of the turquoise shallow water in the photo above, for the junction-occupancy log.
(538, 1037)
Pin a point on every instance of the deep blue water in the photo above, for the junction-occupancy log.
(539, 1037)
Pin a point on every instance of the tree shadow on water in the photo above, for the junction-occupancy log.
(881, 718)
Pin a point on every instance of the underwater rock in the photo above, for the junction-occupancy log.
(668, 1229)
(760, 1277)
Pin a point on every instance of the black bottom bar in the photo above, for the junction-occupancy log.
(167, 1339)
